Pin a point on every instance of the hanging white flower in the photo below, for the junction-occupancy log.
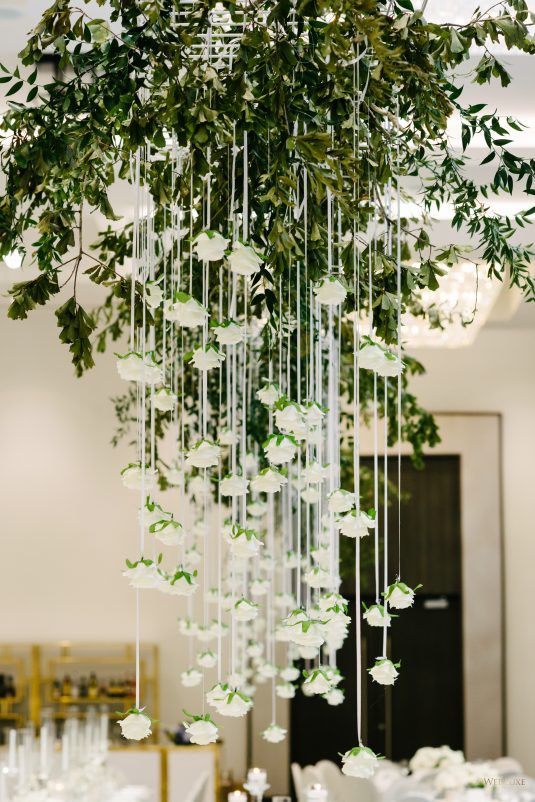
(267, 670)
(217, 694)
(303, 630)
(270, 480)
(175, 476)
(274, 734)
(212, 596)
(334, 697)
(319, 578)
(204, 454)
(267, 563)
(377, 616)
(308, 652)
(245, 610)
(360, 762)
(183, 583)
(340, 500)
(136, 725)
(207, 659)
(257, 509)
(291, 559)
(210, 246)
(315, 473)
(269, 394)
(244, 260)
(198, 486)
(229, 332)
(322, 557)
(311, 495)
(234, 485)
(243, 543)
(227, 438)
(206, 358)
(384, 671)
(133, 367)
(316, 683)
(330, 601)
(254, 649)
(152, 513)
(186, 311)
(259, 587)
(205, 634)
(289, 418)
(192, 555)
(280, 448)
(284, 601)
(353, 525)
(187, 627)
(235, 705)
(376, 357)
(330, 290)
(289, 673)
(202, 730)
(314, 413)
(144, 574)
(164, 399)
(250, 464)
(191, 678)
(400, 596)
(285, 690)
(171, 533)
(236, 679)
(133, 479)
(153, 294)
(219, 630)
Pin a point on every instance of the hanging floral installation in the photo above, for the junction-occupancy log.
(259, 323)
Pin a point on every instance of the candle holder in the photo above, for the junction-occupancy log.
(257, 783)
(316, 793)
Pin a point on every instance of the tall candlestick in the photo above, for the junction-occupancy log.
(65, 752)
(43, 750)
(12, 753)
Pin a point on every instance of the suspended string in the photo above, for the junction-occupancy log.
(398, 301)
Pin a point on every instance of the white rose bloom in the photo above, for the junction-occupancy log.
(334, 697)
(400, 596)
(210, 246)
(236, 679)
(198, 486)
(227, 437)
(135, 726)
(377, 616)
(202, 732)
(229, 333)
(279, 449)
(384, 671)
(340, 500)
(284, 601)
(183, 584)
(254, 649)
(291, 559)
(206, 358)
(164, 399)
(311, 495)
(360, 762)
(244, 260)
(322, 557)
(234, 485)
(259, 587)
(353, 525)
(371, 357)
(193, 556)
(235, 705)
(245, 610)
(205, 634)
(132, 477)
(392, 366)
(251, 463)
(219, 630)
(311, 635)
(317, 683)
(132, 367)
(291, 420)
(217, 694)
(319, 578)
(154, 294)
(274, 734)
(186, 311)
(285, 690)
(269, 394)
(267, 563)
(257, 509)
(244, 543)
(191, 678)
(207, 659)
(330, 291)
(289, 673)
(187, 627)
(315, 473)
(308, 652)
(268, 481)
(330, 600)
(144, 576)
(175, 477)
(204, 454)
(171, 533)
(212, 596)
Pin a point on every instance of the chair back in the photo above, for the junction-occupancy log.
(297, 777)
(345, 789)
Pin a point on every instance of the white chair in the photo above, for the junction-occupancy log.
(507, 765)
(342, 788)
(198, 791)
(297, 777)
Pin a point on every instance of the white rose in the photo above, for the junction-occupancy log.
(322, 557)
(210, 246)
(317, 683)
(384, 672)
(175, 477)
(291, 420)
(315, 473)
(191, 678)
(254, 649)
(227, 437)
(330, 600)
(164, 399)
(135, 726)
(206, 358)
(235, 680)
(274, 734)
(311, 495)
(235, 705)
(352, 524)
(132, 367)
(267, 563)
(198, 486)
(244, 260)
(289, 673)
(186, 311)
(143, 576)
(311, 635)
(400, 596)
(251, 463)
(187, 627)
(279, 449)
(377, 616)
(257, 509)
(192, 556)
(291, 559)
(204, 454)
(370, 357)
(219, 630)
(234, 485)
(132, 477)
(183, 584)
(268, 481)
(318, 578)
(202, 732)
(285, 690)
(392, 366)
(171, 533)
(154, 294)
(334, 697)
(229, 333)
(269, 394)
(245, 610)
(207, 659)
(360, 762)
(244, 543)
(217, 694)
(340, 500)
(308, 652)
(284, 601)
(330, 291)
(205, 634)
(259, 587)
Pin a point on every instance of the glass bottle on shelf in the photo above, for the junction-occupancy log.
(92, 688)
(66, 687)
(11, 690)
(56, 690)
(83, 688)
(2, 686)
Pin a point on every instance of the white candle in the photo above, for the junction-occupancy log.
(237, 796)
(21, 754)
(65, 752)
(43, 750)
(257, 776)
(12, 754)
(316, 793)
(104, 731)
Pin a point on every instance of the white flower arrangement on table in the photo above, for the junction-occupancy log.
(280, 448)
(227, 438)
(205, 358)
(360, 762)
(274, 734)
(229, 332)
(210, 246)
(400, 596)
(234, 485)
(259, 587)
(235, 704)
(191, 678)
(201, 730)
(384, 672)
(290, 418)
(207, 659)
(186, 311)
(330, 290)
(183, 583)
(376, 615)
(451, 781)
(164, 399)
(244, 260)
(352, 525)
(334, 697)
(269, 480)
(134, 368)
(153, 294)
(144, 574)
(132, 477)
(376, 357)
(243, 543)
(269, 393)
(204, 454)
(285, 690)
(245, 610)
(136, 725)
(340, 500)
(428, 758)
